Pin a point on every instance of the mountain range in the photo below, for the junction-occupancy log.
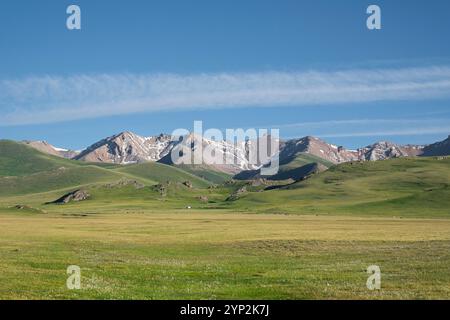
(33, 181)
(298, 157)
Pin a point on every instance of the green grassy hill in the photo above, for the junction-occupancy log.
(398, 187)
(55, 179)
(206, 173)
(160, 173)
(17, 159)
(24, 170)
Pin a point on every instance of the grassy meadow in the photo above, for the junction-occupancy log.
(145, 234)
(210, 255)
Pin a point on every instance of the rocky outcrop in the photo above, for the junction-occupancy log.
(77, 195)
(188, 184)
(237, 194)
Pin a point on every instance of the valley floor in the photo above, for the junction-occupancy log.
(207, 254)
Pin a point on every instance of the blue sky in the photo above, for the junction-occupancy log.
(306, 67)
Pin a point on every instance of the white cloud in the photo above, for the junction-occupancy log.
(52, 99)
(399, 132)
(369, 127)
(358, 122)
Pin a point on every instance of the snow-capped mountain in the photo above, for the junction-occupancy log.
(225, 156)
(295, 165)
(126, 148)
(221, 155)
(378, 151)
(387, 150)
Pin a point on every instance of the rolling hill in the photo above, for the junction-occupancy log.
(17, 159)
(25, 170)
(160, 173)
(395, 187)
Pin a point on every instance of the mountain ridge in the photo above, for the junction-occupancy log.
(129, 148)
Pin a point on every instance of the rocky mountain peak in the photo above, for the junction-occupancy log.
(126, 147)
(382, 150)
(319, 148)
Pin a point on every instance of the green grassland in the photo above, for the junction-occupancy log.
(146, 234)
(210, 255)
(399, 187)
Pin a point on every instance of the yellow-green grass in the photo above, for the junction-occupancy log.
(207, 255)
(111, 198)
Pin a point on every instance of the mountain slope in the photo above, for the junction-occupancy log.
(301, 157)
(56, 179)
(44, 146)
(206, 173)
(24, 170)
(396, 187)
(441, 148)
(126, 148)
(220, 156)
(318, 148)
(161, 173)
(295, 167)
(217, 156)
(18, 159)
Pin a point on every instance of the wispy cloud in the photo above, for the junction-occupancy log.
(400, 132)
(52, 99)
(369, 127)
(358, 122)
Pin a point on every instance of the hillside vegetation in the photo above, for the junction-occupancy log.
(158, 172)
(404, 187)
(17, 159)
